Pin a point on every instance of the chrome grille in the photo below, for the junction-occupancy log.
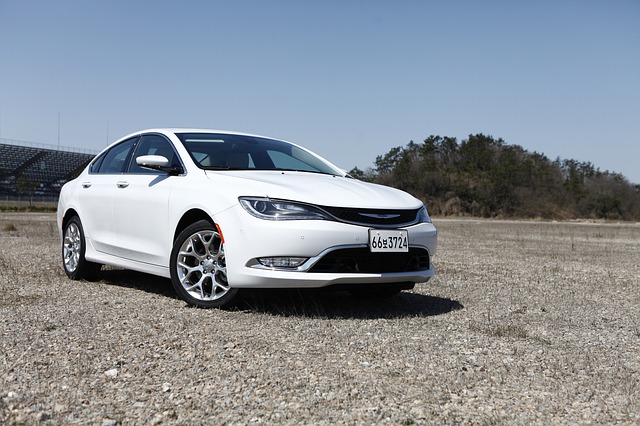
(373, 217)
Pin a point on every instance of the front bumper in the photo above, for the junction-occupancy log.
(248, 238)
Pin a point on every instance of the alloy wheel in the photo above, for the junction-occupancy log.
(201, 267)
(72, 247)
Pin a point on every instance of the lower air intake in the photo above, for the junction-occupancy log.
(361, 260)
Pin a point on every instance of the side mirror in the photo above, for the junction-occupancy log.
(158, 162)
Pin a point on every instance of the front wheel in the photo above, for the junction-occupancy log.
(76, 266)
(198, 267)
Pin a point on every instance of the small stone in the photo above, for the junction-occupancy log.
(111, 373)
(166, 387)
(109, 422)
(42, 416)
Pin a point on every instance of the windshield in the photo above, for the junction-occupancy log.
(218, 151)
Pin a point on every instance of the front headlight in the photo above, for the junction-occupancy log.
(423, 216)
(265, 208)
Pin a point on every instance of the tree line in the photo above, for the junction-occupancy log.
(484, 176)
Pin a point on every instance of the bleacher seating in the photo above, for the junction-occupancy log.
(47, 169)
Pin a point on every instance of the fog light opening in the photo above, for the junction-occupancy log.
(282, 262)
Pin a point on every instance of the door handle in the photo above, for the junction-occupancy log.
(122, 184)
(86, 184)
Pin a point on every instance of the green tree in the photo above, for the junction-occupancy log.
(356, 173)
(26, 187)
(387, 163)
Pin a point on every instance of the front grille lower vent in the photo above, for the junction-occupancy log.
(361, 260)
(373, 217)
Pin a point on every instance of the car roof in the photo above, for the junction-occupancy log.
(166, 130)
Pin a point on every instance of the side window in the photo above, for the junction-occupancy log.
(115, 159)
(153, 145)
(95, 165)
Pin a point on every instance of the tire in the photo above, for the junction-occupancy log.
(74, 246)
(198, 267)
(381, 291)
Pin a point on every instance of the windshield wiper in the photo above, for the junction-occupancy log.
(223, 168)
(318, 172)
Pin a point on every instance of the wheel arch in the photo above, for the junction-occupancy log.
(68, 215)
(189, 217)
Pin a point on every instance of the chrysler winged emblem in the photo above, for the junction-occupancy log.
(379, 216)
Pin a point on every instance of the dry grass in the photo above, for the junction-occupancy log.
(9, 227)
(527, 322)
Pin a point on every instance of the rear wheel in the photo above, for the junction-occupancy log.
(198, 267)
(76, 266)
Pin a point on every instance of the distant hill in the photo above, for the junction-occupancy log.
(483, 176)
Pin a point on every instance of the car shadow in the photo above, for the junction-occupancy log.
(326, 303)
(139, 281)
(310, 303)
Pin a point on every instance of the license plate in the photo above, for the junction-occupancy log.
(385, 240)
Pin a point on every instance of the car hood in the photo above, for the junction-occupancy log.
(313, 188)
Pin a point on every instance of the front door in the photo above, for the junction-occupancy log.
(141, 206)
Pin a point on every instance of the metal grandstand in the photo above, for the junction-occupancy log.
(45, 168)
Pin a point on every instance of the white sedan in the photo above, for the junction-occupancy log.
(219, 211)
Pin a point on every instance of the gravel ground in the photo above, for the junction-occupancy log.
(526, 322)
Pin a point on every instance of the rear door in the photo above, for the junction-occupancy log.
(96, 196)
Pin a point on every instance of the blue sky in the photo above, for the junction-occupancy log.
(347, 79)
